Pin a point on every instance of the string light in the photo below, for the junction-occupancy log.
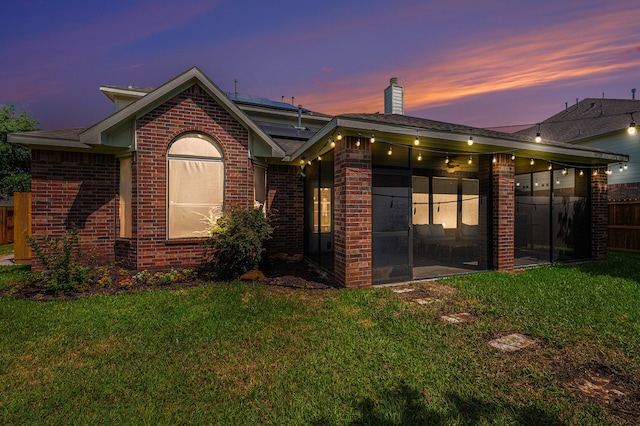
(536, 184)
(609, 171)
(358, 141)
(538, 137)
(494, 160)
(470, 140)
(581, 173)
(339, 136)
(595, 172)
(390, 150)
(557, 181)
(373, 138)
(470, 160)
(632, 126)
(621, 169)
(446, 160)
(332, 142)
(565, 171)
(419, 155)
(532, 162)
(625, 166)
(513, 157)
(550, 166)
(417, 141)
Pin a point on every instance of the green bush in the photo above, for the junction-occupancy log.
(64, 265)
(235, 241)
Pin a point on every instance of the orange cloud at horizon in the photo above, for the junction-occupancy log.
(585, 49)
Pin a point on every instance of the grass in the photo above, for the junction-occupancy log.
(6, 249)
(246, 354)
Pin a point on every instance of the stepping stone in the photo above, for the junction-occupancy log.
(511, 343)
(456, 318)
(426, 301)
(404, 290)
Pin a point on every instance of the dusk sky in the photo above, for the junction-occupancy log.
(479, 63)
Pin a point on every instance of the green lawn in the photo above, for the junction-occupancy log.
(251, 354)
(6, 249)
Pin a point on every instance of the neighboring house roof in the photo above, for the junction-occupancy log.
(587, 119)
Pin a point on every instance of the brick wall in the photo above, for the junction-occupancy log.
(285, 206)
(624, 191)
(599, 217)
(191, 111)
(352, 214)
(75, 189)
(503, 181)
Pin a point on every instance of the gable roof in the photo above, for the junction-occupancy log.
(587, 119)
(94, 135)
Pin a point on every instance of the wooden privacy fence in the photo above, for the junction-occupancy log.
(624, 226)
(6, 225)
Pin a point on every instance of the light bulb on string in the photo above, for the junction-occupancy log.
(632, 126)
(470, 140)
(373, 138)
(581, 173)
(621, 169)
(550, 166)
(565, 171)
(513, 157)
(470, 160)
(332, 142)
(446, 160)
(538, 138)
(494, 159)
(532, 162)
(625, 166)
(339, 136)
(419, 156)
(417, 141)
(390, 150)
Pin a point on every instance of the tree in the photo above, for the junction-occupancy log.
(15, 160)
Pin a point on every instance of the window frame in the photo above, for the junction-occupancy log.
(186, 157)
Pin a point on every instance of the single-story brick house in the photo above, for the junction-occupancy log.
(371, 198)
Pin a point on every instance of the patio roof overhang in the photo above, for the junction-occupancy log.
(445, 138)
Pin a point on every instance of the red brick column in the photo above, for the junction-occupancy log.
(503, 181)
(599, 217)
(352, 214)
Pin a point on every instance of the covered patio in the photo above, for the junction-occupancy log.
(391, 198)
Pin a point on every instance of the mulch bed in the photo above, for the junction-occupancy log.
(300, 275)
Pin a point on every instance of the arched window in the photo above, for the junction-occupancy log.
(195, 184)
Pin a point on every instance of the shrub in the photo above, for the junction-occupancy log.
(63, 261)
(235, 241)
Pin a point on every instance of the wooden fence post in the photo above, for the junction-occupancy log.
(22, 227)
